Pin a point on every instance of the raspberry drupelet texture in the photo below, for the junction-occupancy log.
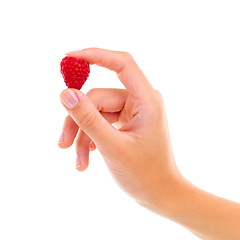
(75, 71)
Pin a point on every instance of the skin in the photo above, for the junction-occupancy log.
(129, 127)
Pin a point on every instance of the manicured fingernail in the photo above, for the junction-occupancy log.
(69, 98)
(72, 52)
(61, 139)
(78, 163)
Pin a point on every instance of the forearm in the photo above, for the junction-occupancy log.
(207, 216)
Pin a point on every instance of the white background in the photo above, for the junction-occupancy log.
(189, 50)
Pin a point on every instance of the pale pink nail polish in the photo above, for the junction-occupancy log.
(78, 163)
(69, 98)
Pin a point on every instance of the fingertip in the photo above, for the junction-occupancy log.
(92, 146)
(61, 140)
(79, 168)
(76, 53)
(63, 145)
(81, 165)
(72, 52)
(69, 132)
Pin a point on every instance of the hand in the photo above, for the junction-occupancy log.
(137, 150)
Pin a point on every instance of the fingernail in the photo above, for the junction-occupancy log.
(78, 163)
(61, 139)
(69, 98)
(72, 52)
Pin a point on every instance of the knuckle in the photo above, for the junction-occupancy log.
(91, 93)
(88, 120)
(158, 95)
(126, 60)
(127, 57)
(156, 106)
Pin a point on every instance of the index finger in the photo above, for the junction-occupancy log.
(123, 64)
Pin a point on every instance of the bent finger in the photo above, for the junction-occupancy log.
(108, 99)
(82, 150)
(84, 144)
(69, 132)
(89, 119)
(123, 64)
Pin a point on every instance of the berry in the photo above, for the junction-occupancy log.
(75, 71)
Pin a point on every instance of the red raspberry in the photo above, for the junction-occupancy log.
(75, 71)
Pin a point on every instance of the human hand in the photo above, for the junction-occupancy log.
(137, 150)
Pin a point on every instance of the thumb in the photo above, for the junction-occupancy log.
(88, 118)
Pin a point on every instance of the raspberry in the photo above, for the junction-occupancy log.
(75, 71)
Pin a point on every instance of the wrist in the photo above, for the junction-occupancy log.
(177, 193)
(177, 199)
(168, 195)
